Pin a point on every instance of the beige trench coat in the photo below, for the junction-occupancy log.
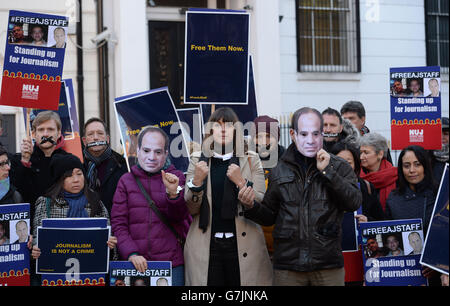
(254, 262)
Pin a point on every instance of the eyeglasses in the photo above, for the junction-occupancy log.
(5, 163)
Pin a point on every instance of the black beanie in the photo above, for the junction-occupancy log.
(61, 163)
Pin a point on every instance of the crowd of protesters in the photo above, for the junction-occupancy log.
(247, 212)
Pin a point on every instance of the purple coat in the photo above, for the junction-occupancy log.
(138, 229)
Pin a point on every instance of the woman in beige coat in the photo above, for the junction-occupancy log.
(223, 248)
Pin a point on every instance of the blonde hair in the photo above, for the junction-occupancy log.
(46, 116)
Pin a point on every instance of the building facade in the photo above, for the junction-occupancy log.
(319, 53)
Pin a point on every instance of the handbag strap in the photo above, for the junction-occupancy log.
(161, 216)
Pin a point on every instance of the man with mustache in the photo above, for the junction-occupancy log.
(31, 166)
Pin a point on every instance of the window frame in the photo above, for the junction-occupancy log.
(353, 65)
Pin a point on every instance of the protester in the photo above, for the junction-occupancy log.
(68, 197)
(336, 129)
(309, 191)
(371, 207)
(32, 175)
(8, 193)
(416, 189)
(223, 248)
(375, 168)
(355, 112)
(142, 234)
(104, 167)
(266, 136)
(440, 157)
(415, 194)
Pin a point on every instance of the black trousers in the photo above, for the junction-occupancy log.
(223, 267)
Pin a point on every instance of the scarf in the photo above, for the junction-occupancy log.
(229, 202)
(384, 180)
(442, 155)
(77, 203)
(4, 187)
(93, 163)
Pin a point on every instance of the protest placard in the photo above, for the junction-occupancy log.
(34, 58)
(123, 273)
(151, 108)
(72, 277)
(14, 253)
(435, 251)
(67, 111)
(216, 57)
(247, 113)
(415, 107)
(191, 124)
(391, 252)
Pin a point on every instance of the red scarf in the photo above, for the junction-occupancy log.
(383, 180)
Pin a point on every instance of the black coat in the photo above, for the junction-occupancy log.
(412, 205)
(12, 197)
(116, 167)
(371, 206)
(307, 207)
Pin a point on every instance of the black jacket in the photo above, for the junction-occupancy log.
(116, 166)
(307, 208)
(371, 206)
(12, 197)
(412, 205)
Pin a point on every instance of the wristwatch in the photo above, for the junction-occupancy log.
(192, 187)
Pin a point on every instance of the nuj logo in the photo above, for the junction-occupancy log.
(416, 135)
(416, 132)
(30, 92)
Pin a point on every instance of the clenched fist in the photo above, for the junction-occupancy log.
(323, 159)
(234, 174)
(200, 173)
(171, 182)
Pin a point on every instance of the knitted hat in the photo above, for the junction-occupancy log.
(61, 163)
(262, 124)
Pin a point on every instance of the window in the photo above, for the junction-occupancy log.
(436, 24)
(328, 36)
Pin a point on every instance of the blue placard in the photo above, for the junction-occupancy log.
(34, 58)
(84, 251)
(123, 273)
(75, 222)
(350, 241)
(246, 113)
(14, 254)
(435, 254)
(191, 122)
(155, 108)
(391, 252)
(216, 57)
(415, 107)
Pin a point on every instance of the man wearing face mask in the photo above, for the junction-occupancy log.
(309, 191)
(104, 167)
(336, 129)
(32, 176)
